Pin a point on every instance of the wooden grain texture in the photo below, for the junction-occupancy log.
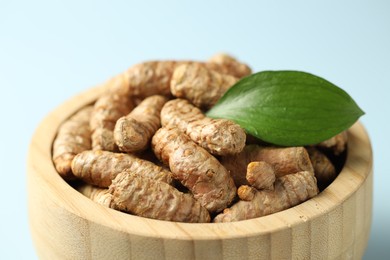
(66, 225)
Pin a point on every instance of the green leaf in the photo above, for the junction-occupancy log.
(289, 108)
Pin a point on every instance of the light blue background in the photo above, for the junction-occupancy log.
(52, 50)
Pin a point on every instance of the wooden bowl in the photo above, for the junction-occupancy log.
(66, 225)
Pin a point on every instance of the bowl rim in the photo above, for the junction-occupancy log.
(357, 168)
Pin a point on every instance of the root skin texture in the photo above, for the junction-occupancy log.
(139, 195)
(133, 132)
(284, 160)
(337, 144)
(229, 65)
(74, 136)
(107, 110)
(324, 169)
(154, 77)
(261, 175)
(99, 168)
(195, 168)
(202, 86)
(218, 136)
(290, 190)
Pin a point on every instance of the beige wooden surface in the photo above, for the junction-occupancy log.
(66, 225)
